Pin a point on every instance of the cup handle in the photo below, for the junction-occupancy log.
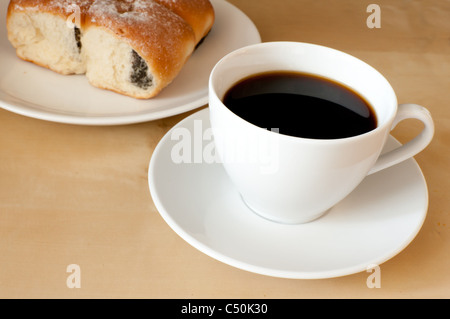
(416, 145)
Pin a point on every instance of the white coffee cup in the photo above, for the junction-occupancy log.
(295, 180)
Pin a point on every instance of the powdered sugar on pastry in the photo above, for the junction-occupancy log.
(134, 47)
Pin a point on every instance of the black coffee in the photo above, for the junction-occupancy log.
(301, 105)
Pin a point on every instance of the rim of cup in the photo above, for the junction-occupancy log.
(234, 54)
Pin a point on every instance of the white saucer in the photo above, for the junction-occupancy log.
(36, 92)
(197, 200)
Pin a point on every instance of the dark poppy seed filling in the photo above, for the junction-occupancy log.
(77, 33)
(201, 40)
(139, 74)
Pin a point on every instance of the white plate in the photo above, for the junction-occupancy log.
(373, 224)
(34, 91)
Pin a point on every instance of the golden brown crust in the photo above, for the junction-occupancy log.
(198, 13)
(64, 8)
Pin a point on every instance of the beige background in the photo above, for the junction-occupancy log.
(79, 195)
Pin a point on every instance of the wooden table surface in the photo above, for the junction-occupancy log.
(78, 195)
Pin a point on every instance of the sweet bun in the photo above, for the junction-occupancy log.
(133, 47)
(40, 32)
